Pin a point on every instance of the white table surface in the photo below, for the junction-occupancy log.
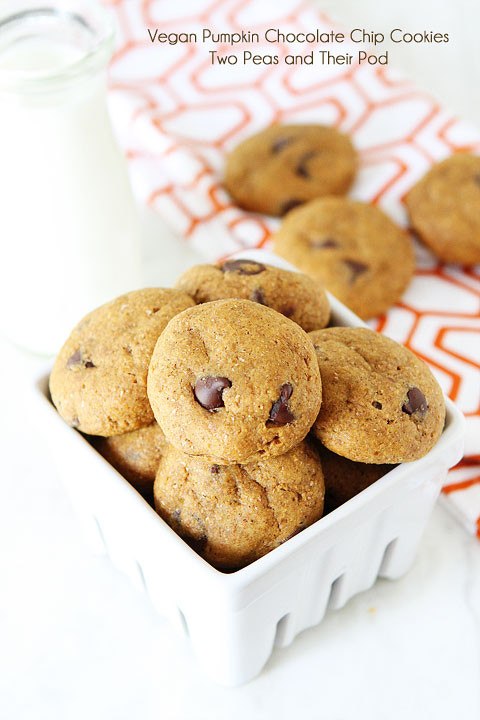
(76, 641)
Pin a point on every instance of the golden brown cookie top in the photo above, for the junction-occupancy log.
(286, 165)
(292, 294)
(351, 248)
(381, 403)
(234, 381)
(99, 380)
(232, 515)
(444, 208)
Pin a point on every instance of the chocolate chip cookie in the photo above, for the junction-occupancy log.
(351, 248)
(136, 455)
(286, 165)
(444, 209)
(232, 515)
(381, 403)
(344, 478)
(234, 381)
(99, 380)
(293, 294)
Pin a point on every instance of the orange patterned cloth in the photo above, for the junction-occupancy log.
(177, 116)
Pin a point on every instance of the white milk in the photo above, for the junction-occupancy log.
(38, 54)
(68, 224)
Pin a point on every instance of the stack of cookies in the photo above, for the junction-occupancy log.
(231, 402)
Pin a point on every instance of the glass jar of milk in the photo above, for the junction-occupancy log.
(68, 223)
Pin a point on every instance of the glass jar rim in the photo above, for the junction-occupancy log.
(94, 58)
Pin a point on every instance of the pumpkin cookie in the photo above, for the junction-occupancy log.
(286, 165)
(381, 403)
(292, 294)
(344, 478)
(444, 209)
(99, 380)
(232, 515)
(234, 381)
(351, 248)
(136, 455)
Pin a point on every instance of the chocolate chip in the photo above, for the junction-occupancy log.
(208, 392)
(176, 516)
(416, 401)
(289, 205)
(257, 296)
(477, 179)
(75, 422)
(214, 469)
(243, 267)
(280, 413)
(288, 311)
(377, 405)
(302, 168)
(356, 268)
(76, 360)
(281, 143)
(327, 243)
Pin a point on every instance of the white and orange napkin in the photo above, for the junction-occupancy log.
(177, 116)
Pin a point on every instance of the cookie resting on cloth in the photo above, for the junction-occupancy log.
(444, 209)
(287, 165)
(351, 248)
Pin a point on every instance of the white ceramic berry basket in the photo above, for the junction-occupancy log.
(234, 620)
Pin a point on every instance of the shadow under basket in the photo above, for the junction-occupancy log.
(234, 620)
